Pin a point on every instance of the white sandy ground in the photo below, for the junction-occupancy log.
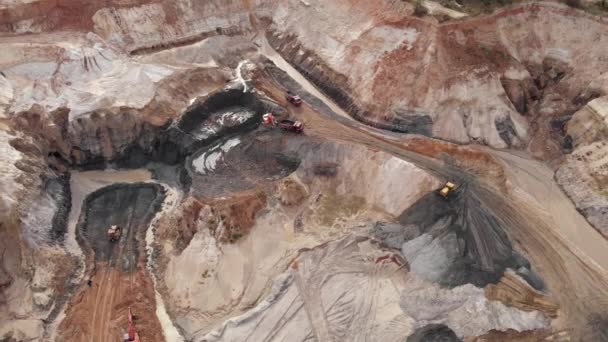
(171, 202)
(82, 74)
(239, 75)
(338, 291)
(223, 280)
(8, 173)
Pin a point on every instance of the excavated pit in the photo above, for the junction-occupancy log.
(130, 206)
(163, 151)
(115, 272)
(223, 113)
(53, 208)
(222, 152)
(242, 162)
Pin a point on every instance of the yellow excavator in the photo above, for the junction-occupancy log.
(448, 188)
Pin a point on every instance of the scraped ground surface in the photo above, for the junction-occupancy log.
(345, 290)
(336, 234)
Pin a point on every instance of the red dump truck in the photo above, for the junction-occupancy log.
(294, 99)
(114, 233)
(288, 125)
(292, 125)
(131, 335)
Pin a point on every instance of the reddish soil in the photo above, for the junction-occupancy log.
(99, 313)
(514, 292)
(180, 227)
(237, 214)
(316, 124)
(291, 193)
(68, 15)
(476, 162)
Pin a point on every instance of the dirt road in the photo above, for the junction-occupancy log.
(543, 225)
(99, 313)
(119, 279)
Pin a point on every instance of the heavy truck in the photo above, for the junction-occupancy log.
(288, 125)
(446, 190)
(131, 335)
(114, 233)
(293, 99)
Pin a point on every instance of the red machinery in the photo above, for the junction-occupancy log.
(114, 233)
(294, 99)
(288, 125)
(131, 336)
(268, 119)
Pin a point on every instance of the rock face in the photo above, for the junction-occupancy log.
(584, 177)
(589, 124)
(404, 74)
(140, 23)
(584, 173)
(85, 100)
(386, 67)
(33, 210)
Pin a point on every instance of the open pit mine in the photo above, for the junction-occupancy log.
(303, 170)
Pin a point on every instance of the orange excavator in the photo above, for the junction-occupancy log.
(132, 335)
